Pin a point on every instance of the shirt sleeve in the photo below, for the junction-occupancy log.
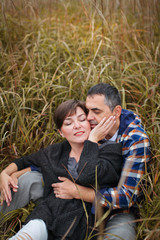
(34, 168)
(136, 155)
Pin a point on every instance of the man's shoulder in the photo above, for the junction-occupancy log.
(131, 125)
(134, 133)
(135, 129)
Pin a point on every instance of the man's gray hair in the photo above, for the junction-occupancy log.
(111, 94)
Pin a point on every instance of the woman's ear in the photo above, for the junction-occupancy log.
(60, 133)
(117, 111)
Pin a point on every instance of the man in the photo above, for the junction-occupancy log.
(103, 100)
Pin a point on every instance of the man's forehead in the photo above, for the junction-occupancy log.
(96, 96)
(95, 101)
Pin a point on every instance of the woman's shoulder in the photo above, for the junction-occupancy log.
(110, 145)
(57, 146)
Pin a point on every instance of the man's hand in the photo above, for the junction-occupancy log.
(102, 129)
(66, 189)
(6, 183)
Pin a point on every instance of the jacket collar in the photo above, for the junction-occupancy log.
(126, 118)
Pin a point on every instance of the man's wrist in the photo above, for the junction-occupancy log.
(76, 192)
(85, 193)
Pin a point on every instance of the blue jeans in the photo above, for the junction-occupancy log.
(121, 226)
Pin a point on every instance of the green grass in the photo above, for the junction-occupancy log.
(51, 51)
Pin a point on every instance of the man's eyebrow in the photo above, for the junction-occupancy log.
(95, 109)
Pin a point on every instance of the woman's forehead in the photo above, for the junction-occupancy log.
(76, 111)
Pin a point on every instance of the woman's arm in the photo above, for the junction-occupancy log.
(6, 183)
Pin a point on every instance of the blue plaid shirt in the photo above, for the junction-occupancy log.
(136, 155)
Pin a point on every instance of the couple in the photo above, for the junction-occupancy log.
(102, 101)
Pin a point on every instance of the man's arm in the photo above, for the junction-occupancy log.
(123, 196)
(136, 154)
(66, 189)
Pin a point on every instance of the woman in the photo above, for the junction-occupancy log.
(76, 159)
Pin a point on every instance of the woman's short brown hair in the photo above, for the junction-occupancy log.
(67, 108)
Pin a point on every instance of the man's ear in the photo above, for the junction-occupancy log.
(117, 111)
(60, 133)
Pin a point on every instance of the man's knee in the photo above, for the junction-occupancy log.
(28, 179)
(121, 226)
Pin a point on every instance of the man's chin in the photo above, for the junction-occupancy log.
(93, 126)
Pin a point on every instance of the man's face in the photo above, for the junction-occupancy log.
(97, 109)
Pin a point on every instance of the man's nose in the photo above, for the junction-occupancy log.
(90, 116)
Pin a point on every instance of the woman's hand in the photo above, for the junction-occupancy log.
(102, 129)
(1, 200)
(6, 183)
(66, 189)
(15, 177)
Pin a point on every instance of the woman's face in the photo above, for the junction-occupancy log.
(76, 127)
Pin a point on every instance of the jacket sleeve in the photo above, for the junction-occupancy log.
(36, 159)
(136, 155)
(100, 164)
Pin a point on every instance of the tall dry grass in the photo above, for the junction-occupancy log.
(52, 50)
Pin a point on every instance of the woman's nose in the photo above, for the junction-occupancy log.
(76, 124)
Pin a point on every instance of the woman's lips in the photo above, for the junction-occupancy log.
(79, 133)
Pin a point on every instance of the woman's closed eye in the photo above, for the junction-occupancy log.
(67, 123)
(82, 118)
